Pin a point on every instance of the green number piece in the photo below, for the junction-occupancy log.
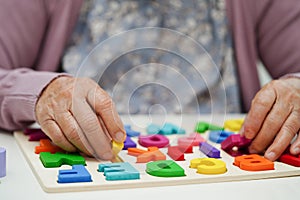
(201, 127)
(164, 168)
(56, 160)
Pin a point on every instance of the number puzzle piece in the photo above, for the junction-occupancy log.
(201, 127)
(290, 159)
(152, 154)
(253, 162)
(208, 165)
(209, 150)
(78, 173)
(175, 153)
(219, 136)
(166, 129)
(129, 143)
(235, 145)
(35, 134)
(2, 162)
(47, 146)
(119, 171)
(56, 160)
(153, 140)
(117, 147)
(193, 139)
(130, 132)
(164, 168)
(233, 124)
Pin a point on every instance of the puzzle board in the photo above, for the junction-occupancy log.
(47, 177)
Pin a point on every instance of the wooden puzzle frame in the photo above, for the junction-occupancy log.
(47, 177)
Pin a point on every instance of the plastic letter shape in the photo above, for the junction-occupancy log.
(47, 146)
(290, 159)
(175, 153)
(193, 139)
(208, 165)
(153, 140)
(130, 132)
(164, 168)
(253, 162)
(219, 136)
(129, 143)
(233, 124)
(119, 171)
(143, 156)
(209, 150)
(117, 147)
(166, 129)
(78, 173)
(56, 160)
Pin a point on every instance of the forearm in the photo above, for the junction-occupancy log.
(19, 91)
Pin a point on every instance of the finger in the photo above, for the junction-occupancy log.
(105, 108)
(91, 128)
(295, 147)
(271, 126)
(260, 107)
(73, 132)
(53, 131)
(284, 137)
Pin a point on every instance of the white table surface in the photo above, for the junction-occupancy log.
(20, 183)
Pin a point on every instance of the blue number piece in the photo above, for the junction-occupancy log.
(78, 173)
(130, 132)
(166, 129)
(219, 136)
(119, 171)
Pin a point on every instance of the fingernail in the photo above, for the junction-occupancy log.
(297, 150)
(107, 156)
(270, 155)
(120, 137)
(252, 151)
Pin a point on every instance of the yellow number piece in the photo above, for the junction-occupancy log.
(208, 165)
(117, 147)
(233, 124)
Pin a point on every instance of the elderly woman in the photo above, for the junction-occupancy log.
(199, 56)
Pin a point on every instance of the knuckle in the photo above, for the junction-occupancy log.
(290, 129)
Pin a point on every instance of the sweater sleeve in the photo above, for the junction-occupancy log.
(19, 91)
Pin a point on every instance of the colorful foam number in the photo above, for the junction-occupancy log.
(78, 173)
(35, 134)
(219, 136)
(47, 146)
(233, 124)
(177, 152)
(129, 143)
(117, 147)
(290, 159)
(253, 162)
(166, 129)
(201, 127)
(209, 150)
(164, 168)
(152, 154)
(56, 160)
(159, 141)
(193, 139)
(119, 171)
(130, 132)
(235, 145)
(208, 165)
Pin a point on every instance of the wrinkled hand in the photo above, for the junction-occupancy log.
(274, 119)
(78, 115)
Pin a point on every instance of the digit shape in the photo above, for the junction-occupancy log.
(290, 159)
(119, 171)
(47, 146)
(56, 160)
(219, 136)
(164, 168)
(153, 140)
(253, 162)
(233, 124)
(209, 150)
(208, 165)
(129, 143)
(78, 173)
(193, 139)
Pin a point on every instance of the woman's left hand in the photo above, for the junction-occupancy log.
(274, 119)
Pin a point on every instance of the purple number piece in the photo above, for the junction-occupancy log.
(153, 141)
(129, 143)
(209, 150)
(2, 162)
